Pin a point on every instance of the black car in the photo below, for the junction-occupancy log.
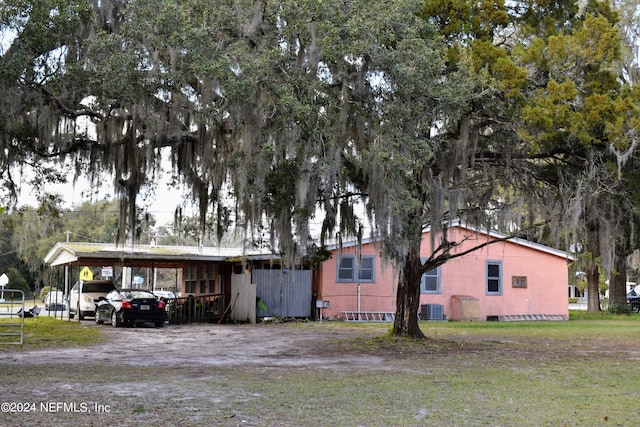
(129, 307)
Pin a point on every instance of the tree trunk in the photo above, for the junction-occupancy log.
(618, 284)
(593, 291)
(593, 275)
(408, 297)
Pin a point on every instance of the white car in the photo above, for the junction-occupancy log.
(84, 295)
(164, 294)
(54, 301)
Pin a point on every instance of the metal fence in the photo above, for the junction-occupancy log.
(12, 315)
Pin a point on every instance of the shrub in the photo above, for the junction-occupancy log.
(619, 308)
(45, 291)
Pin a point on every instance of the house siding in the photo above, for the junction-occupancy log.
(546, 275)
(376, 296)
(545, 292)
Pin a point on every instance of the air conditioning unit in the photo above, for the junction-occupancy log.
(432, 312)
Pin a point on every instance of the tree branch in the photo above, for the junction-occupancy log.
(446, 246)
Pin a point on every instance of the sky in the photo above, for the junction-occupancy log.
(162, 206)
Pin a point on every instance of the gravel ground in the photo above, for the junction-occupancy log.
(161, 376)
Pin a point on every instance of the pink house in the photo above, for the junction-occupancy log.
(513, 279)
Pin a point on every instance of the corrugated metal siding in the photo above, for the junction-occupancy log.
(286, 294)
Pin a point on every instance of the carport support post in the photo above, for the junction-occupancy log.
(154, 274)
(66, 281)
(79, 298)
(66, 285)
(4, 281)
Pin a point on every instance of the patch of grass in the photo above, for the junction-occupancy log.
(571, 373)
(435, 392)
(603, 315)
(580, 325)
(139, 409)
(47, 332)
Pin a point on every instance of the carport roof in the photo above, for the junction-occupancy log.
(68, 253)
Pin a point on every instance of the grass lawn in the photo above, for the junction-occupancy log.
(45, 331)
(577, 373)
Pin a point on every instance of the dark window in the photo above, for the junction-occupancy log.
(346, 270)
(430, 283)
(350, 271)
(366, 270)
(494, 277)
(190, 278)
(203, 281)
(97, 287)
(211, 277)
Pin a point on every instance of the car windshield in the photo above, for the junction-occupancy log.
(137, 294)
(97, 287)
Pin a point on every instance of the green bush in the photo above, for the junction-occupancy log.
(18, 281)
(45, 291)
(619, 308)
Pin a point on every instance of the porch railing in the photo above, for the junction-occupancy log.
(201, 308)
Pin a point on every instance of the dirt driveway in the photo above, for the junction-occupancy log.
(274, 345)
(180, 375)
(325, 374)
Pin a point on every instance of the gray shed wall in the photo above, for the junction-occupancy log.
(286, 294)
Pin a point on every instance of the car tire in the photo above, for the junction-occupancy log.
(635, 308)
(159, 324)
(114, 319)
(98, 321)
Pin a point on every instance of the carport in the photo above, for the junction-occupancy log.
(202, 275)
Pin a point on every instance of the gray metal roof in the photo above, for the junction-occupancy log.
(66, 253)
(474, 229)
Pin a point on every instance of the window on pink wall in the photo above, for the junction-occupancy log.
(349, 270)
(494, 277)
(430, 283)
